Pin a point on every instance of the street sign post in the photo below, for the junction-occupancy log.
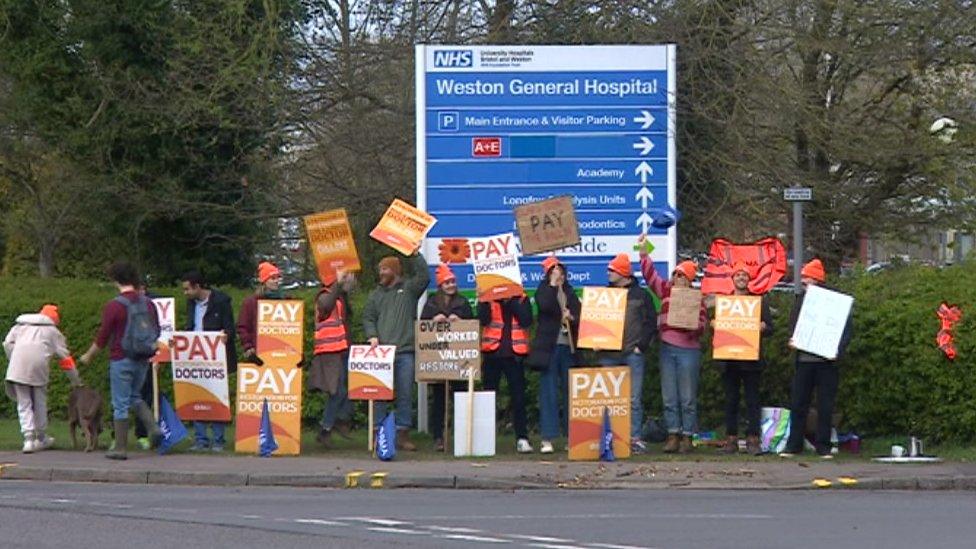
(797, 195)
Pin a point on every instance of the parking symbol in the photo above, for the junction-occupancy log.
(447, 121)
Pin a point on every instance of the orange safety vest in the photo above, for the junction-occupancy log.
(491, 335)
(330, 332)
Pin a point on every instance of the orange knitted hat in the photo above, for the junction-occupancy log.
(687, 269)
(443, 274)
(620, 265)
(815, 270)
(266, 270)
(51, 311)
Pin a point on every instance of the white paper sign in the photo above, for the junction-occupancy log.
(166, 314)
(484, 424)
(821, 322)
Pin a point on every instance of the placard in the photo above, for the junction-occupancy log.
(447, 350)
(820, 324)
(483, 424)
(738, 321)
(602, 318)
(280, 327)
(547, 225)
(371, 372)
(200, 376)
(684, 308)
(331, 241)
(282, 386)
(496, 267)
(403, 227)
(591, 391)
(166, 316)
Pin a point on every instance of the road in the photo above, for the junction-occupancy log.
(38, 515)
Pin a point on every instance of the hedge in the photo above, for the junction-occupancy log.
(893, 380)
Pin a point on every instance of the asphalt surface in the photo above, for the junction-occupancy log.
(38, 515)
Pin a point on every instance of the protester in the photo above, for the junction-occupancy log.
(680, 355)
(388, 319)
(328, 372)
(639, 329)
(504, 344)
(744, 373)
(146, 392)
(30, 345)
(445, 304)
(209, 310)
(813, 371)
(553, 349)
(130, 329)
(269, 287)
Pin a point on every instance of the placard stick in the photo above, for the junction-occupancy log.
(155, 383)
(470, 411)
(372, 428)
(447, 406)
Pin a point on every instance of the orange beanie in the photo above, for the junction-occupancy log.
(815, 270)
(741, 266)
(443, 274)
(548, 263)
(51, 311)
(687, 269)
(266, 270)
(620, 265)
(392, 263)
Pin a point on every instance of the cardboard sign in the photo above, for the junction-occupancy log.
(496, 267)
(447, 349)
(737, 327)
(331, 241)
(684, 308)
(403, 227)
(371, 372)
(602, 318)
(166, 315)
(547, 225)
(821, 322)
(280, 327)
(282, 386)
(591, 390)
(200, 376)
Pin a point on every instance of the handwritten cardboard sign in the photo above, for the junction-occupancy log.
(403, 227)
(684, 308)
(447, 349)
(547, 225)
(821, 322)
(331, 241)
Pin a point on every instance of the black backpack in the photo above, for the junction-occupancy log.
(141, 329)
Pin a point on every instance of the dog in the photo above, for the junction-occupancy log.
(85, 411)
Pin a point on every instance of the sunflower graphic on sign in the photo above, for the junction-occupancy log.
(454, 250)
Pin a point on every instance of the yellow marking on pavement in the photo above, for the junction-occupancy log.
(352, 479)
(376, 481)
(847, 481)
(822, 483)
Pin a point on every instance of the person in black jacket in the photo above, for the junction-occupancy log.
(445, 304)
(813, 371)
(553, 349)
(210, 310)
(640, 327)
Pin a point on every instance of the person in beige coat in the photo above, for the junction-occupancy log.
(29, 345)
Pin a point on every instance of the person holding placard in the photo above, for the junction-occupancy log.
(269, 287)
(639, 330)
(388, 319)
(813, 371)
(554, 349)
(328, 372)
(445, 304)
(745, 374)
(680, 356)
(504, 344)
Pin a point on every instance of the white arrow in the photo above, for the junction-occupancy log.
(644, 221)
(646, 119)
(643, 169)
(644, 195)
(644, 146)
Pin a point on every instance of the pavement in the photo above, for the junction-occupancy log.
(768, 473)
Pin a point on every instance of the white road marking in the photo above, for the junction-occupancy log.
(386, 530)
(553, 546)
(319, 522)
(380, 521)
(482, 539)
(544, 539)
(615, 546)
(456, 529)
(251, 516)
(61, 500)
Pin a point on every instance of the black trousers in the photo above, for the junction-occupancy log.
(511, 367)
(734, 377)
(439, 405)
(147, 396)
(825, 377)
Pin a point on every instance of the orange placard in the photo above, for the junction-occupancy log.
(371, 372)
(280, 325)
(331, 241)
(282, 386)
(403, 227)
(496, 267)
(591, 391)
(200, 376)
(602, 318)
(737, 327)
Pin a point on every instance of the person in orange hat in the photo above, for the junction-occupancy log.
(30, 345)
(813, 371)
(640, 327)
(269, 287)
(445, 304)
(680, 354)
(745, 374)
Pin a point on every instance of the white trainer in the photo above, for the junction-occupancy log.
(546, 447)
(522, 446)
(44, 443)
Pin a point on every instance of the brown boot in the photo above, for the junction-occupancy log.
(752, 445)
(671, 444)
(685, 446)
(731, 445)
(325, 439)
(344, 428)
(403, 441)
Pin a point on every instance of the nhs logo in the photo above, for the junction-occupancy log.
(453, 58)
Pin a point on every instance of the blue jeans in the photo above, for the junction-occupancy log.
(553, 394)
(200, 429)
(402, 391)
(635, 361)
(680, 369)
(125, 378)
(339, 405)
